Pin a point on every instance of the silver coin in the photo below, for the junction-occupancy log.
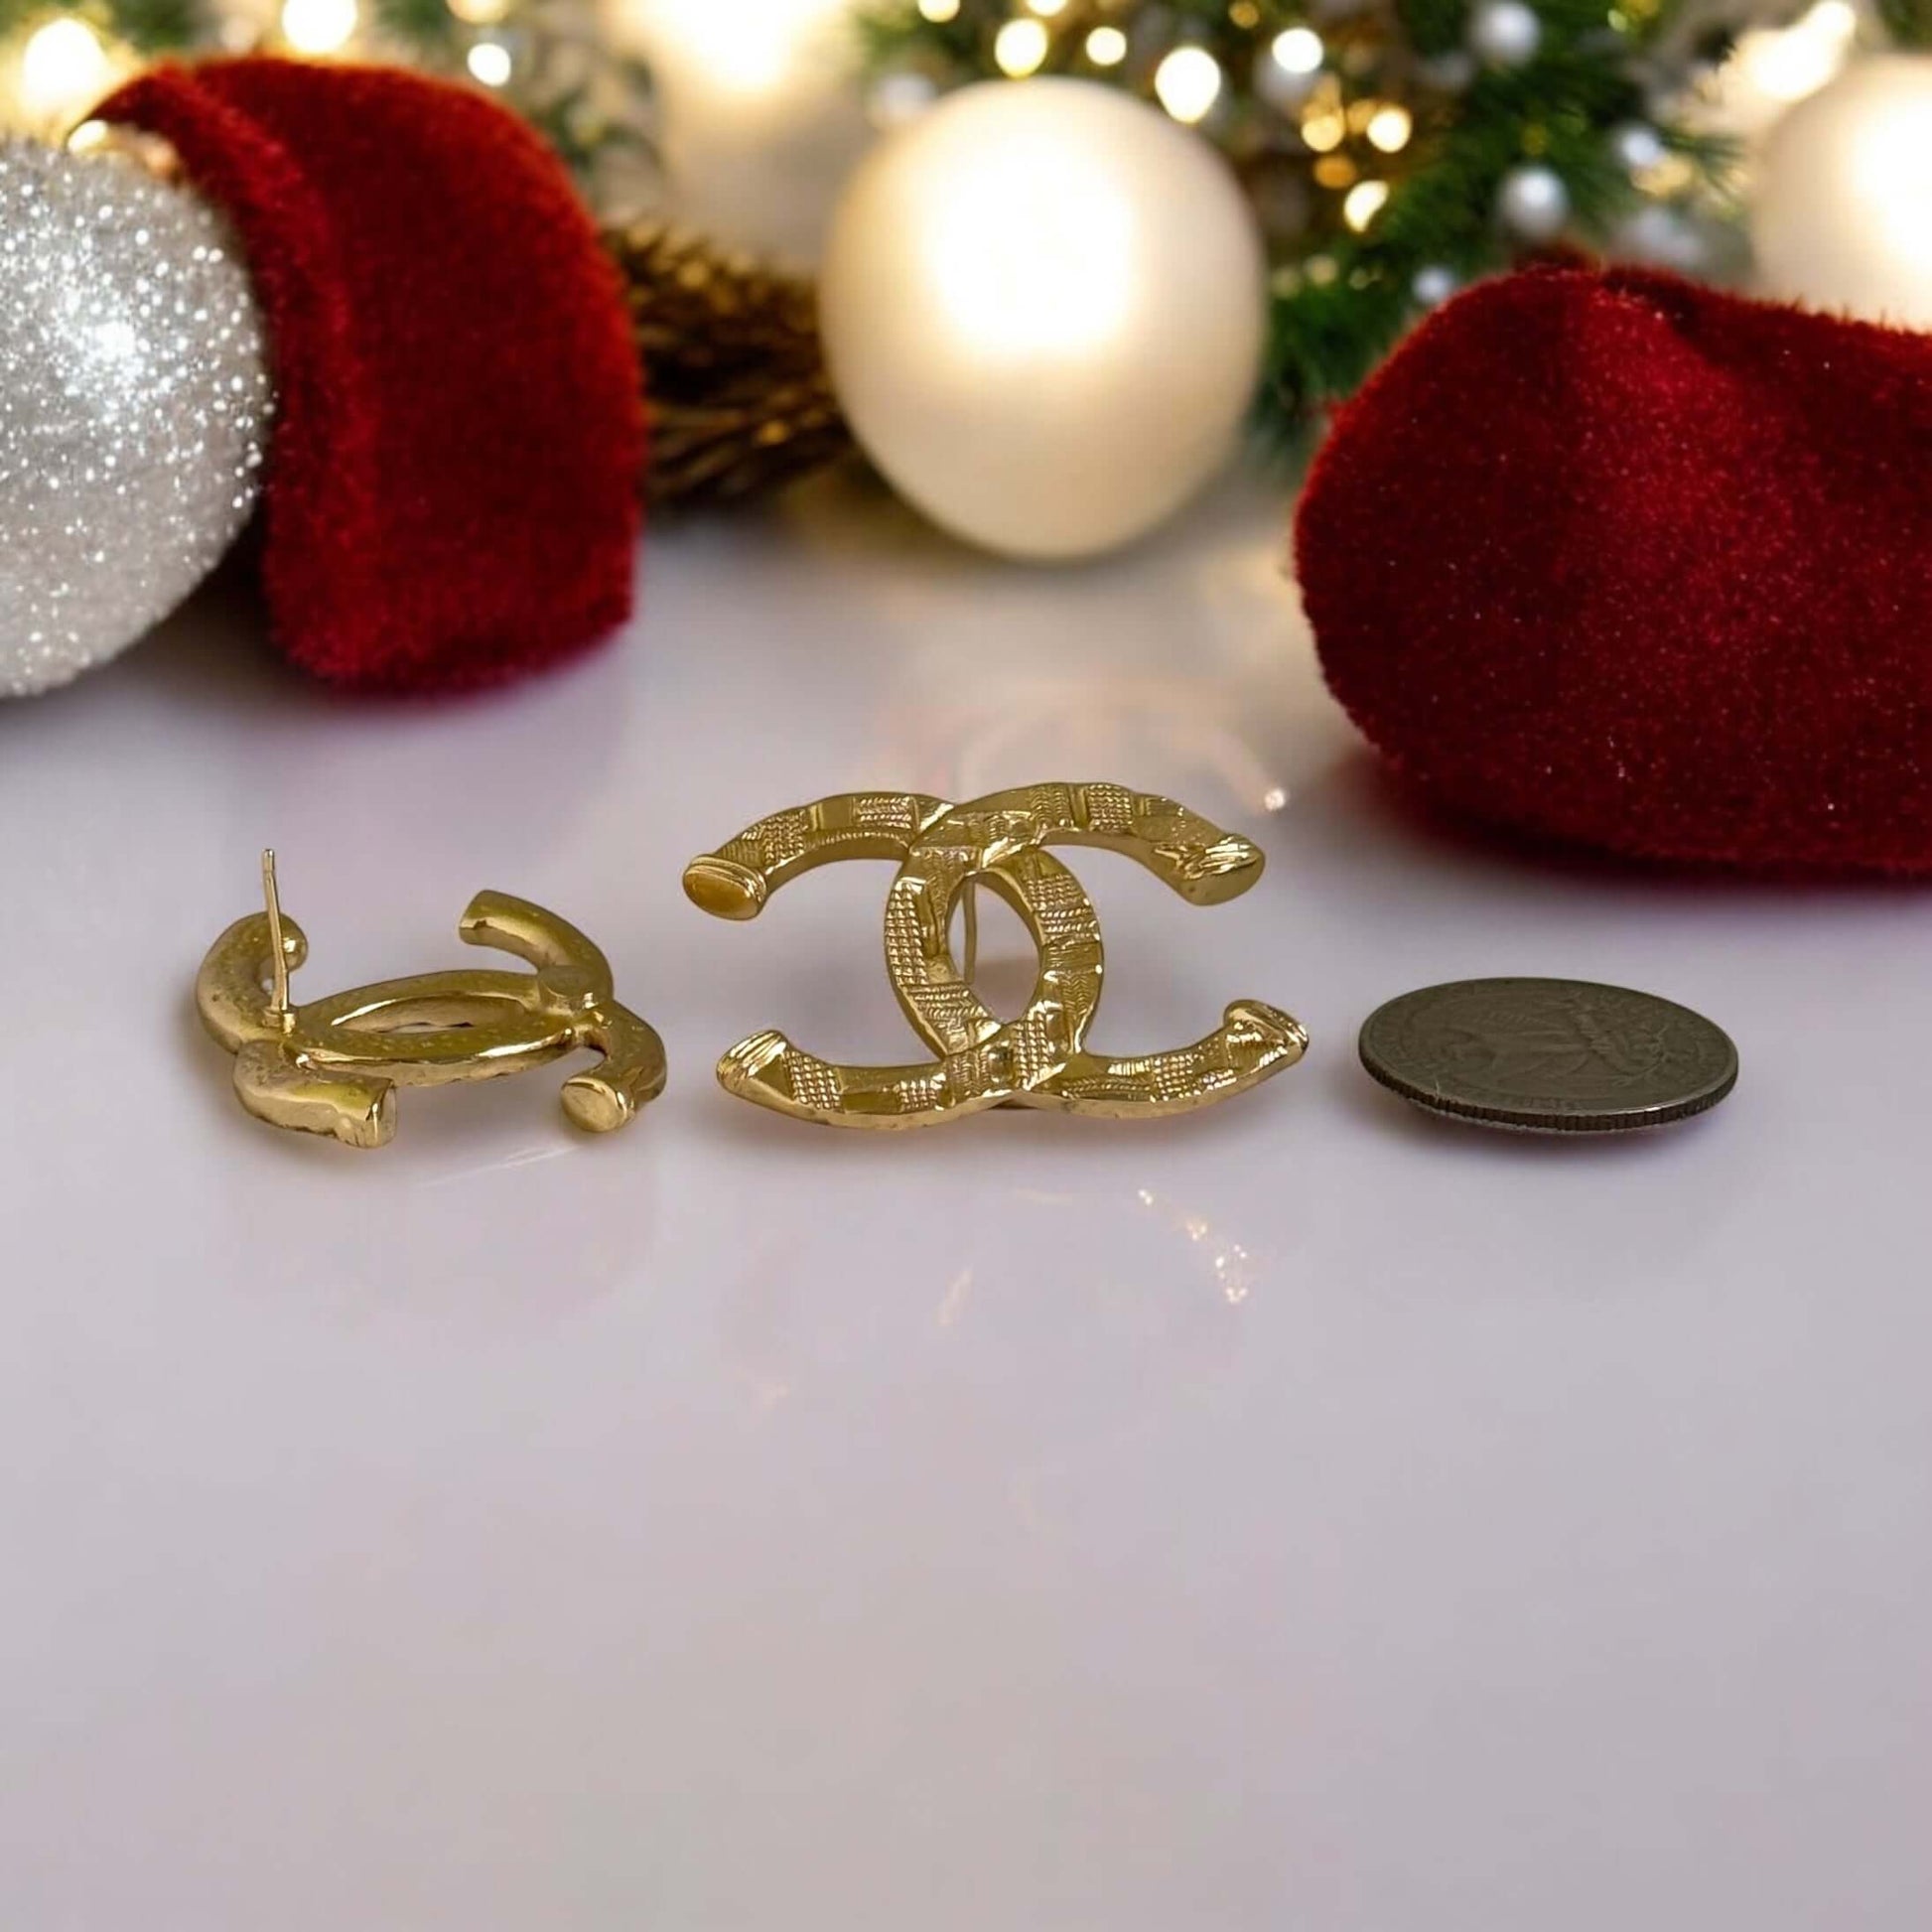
(1550, 1056)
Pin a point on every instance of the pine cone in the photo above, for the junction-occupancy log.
(734, 372)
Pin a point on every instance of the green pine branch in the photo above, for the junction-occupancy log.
(150, 27)
(1908, 22)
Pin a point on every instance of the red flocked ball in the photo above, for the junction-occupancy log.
(1614, 560)
(451, 491)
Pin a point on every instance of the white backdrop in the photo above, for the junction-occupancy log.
(1306, 1515)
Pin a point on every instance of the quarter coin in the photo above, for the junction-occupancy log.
(1550, 1056)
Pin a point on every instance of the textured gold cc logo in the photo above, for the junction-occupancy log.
(1038, 1059)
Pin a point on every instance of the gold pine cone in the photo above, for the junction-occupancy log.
(735, 380)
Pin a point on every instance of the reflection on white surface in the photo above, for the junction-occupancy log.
(499, 1164)
(1302, 1515)
(1232, 1265)
(1099, 723)
(953, 1306)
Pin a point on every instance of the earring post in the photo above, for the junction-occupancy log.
(278, 1008)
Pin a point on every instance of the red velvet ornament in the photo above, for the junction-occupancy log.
(1617, 560)
(451, 491)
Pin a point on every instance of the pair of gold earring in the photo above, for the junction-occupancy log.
(333, 1066)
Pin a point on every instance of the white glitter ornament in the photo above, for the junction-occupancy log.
(1533, 202)
(1637, 146)
(1505, 33)
(134, 406)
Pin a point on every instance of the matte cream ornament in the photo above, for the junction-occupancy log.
(1043, 307)
(1843, 218)
(134, 406)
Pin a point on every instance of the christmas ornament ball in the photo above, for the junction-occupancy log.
(1533, 202)
(1843, 218)
(134, 405)
(1636, 145)
(1043, 310)
(1505, 33)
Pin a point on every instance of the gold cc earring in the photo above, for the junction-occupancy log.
(332, 1066)
(1040, 1058)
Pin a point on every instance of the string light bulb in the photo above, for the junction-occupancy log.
(1106, 46)
(318, 25)
(62, 69)
(490, 62)
(1389, 128)
(1188, 83)
(939, 11)
(1325, 129)
(1363, 202)
(1297, 49)
(1020, 48)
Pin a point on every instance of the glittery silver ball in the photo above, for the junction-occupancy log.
(134, 406)
(1505, 33)
(1533, 202)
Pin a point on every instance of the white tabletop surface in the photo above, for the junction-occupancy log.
(1303, 1517)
